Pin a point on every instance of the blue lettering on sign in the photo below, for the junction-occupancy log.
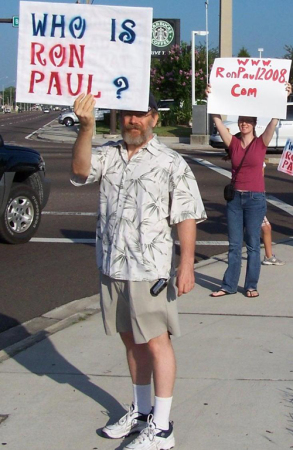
(122, 84)
(41, 27)
(77, 26)
(55, 25)
(128, 36)
(289, 145)
(113, 32)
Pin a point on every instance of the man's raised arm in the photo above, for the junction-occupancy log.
(82, 149)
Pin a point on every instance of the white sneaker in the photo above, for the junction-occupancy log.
(273, 261)
(151, 438)
(131, 422)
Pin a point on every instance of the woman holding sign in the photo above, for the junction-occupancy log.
(245, 212)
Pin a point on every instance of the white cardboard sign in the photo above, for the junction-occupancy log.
(286, 160)
(68, 49)
(249, 87)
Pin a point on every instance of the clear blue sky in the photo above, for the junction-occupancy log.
(256, 23)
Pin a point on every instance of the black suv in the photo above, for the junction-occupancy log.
(24, 192)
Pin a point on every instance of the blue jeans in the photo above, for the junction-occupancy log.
(245, 214)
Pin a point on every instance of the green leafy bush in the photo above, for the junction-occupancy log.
(171, 77)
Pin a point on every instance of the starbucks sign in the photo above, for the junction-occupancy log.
(165, 33)
(162, 34)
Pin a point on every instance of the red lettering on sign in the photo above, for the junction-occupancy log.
(36, 52)
(89, 87)
(73, 54)
(242, 62)
(54, 82)
(285, 163)
(57, 55)
(79, 84)
(36, 77)
(60, 82)
(219, 72)
(240, 71)
(233, 90)
(250, 92)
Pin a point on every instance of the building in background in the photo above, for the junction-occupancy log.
(226, 15)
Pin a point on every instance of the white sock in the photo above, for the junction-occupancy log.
(162, 412)
(142, 398)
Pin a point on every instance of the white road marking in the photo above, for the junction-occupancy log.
(279, 204)
(207, 243)
(63, 241)
(93, 241)
(68, 213)
(30, 135)
(270, 198)
(211, 166)
(36, 131)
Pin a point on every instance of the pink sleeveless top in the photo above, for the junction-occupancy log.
(250, 176)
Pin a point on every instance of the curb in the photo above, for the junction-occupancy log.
(62, 317)
(75, 311)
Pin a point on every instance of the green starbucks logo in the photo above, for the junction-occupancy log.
(162, 33)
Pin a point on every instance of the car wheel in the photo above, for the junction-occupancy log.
(68, 122)
(34, 181)
(22, 215)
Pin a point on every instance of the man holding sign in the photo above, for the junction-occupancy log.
(145, 188)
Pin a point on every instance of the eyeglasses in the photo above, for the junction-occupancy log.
(249, 121)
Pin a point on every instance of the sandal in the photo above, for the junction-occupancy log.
(251, 293)
(221, 293)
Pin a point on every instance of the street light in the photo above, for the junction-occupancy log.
(260, 51)
(207, 40)
(207, 59)
(193, 34)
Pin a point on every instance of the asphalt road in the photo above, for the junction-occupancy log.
(53, 269)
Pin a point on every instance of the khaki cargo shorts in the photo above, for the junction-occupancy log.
(128, 306)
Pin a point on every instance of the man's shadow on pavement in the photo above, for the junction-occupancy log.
(44, 360)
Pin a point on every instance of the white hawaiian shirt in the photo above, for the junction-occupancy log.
(140, 200)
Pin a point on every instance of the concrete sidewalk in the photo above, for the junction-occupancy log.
(234, 389)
